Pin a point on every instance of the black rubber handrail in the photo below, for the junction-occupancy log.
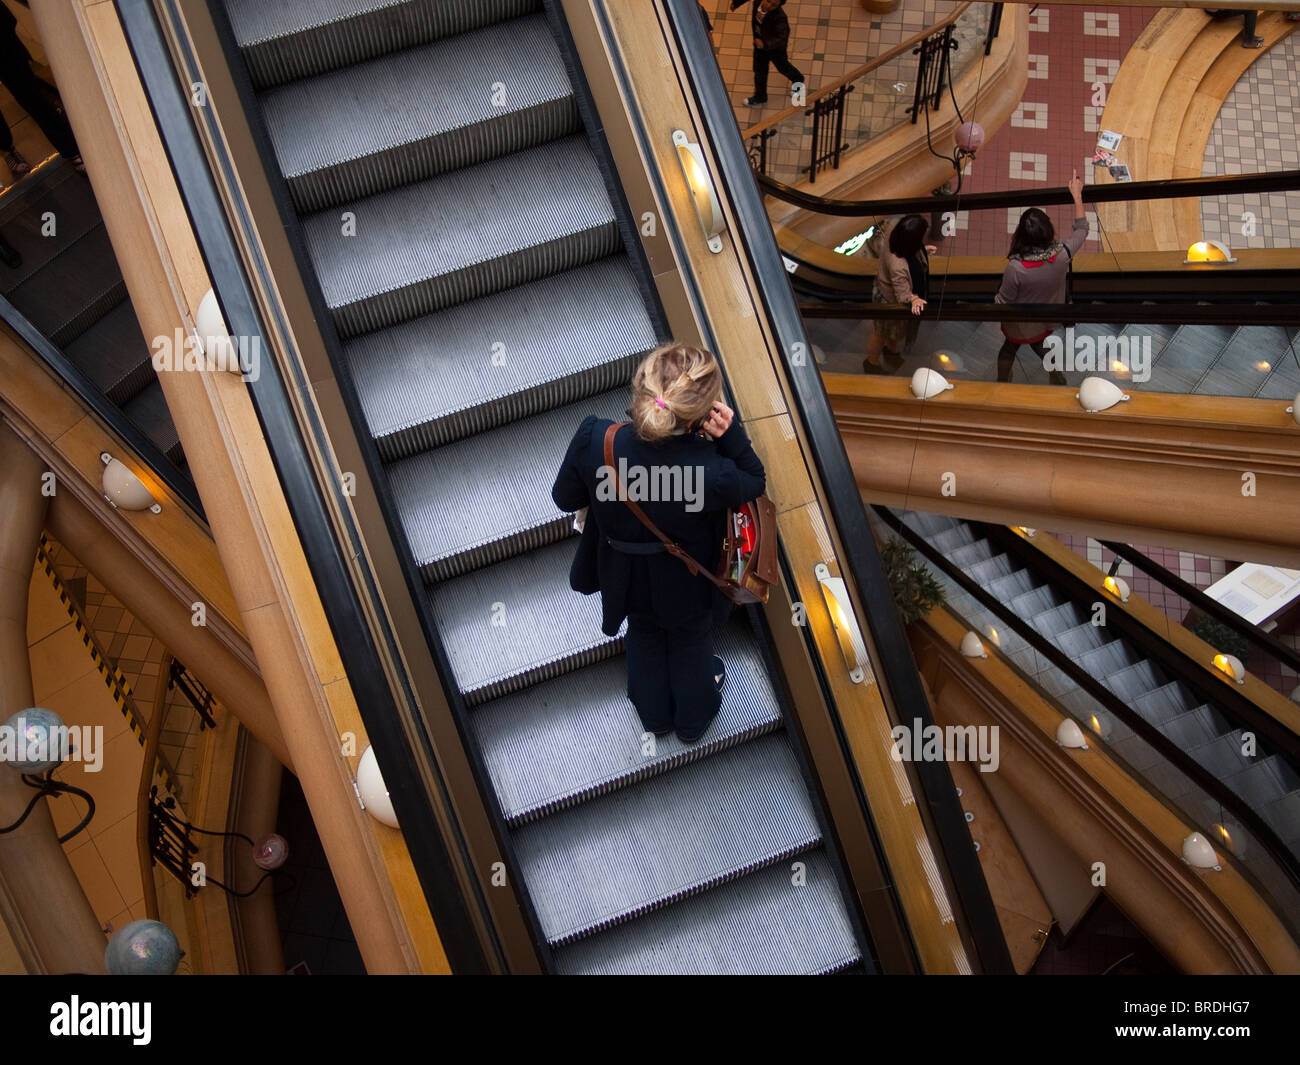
(1170, 751)
(308, 504)
(143, 449)
(861, 562)
(1257, 636)
(1121, 192)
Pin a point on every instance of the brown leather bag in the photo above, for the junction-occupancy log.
(760, 569)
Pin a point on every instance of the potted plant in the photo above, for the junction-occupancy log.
(916, 590)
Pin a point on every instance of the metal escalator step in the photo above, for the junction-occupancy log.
(1284, 816)
(927, 524)
(542, 629)
(989, 569)
(1261, 784)
(1221, 756)
(1193, 728)
(480, 364)
(62, 201)
(971, 554)
(410, 115)
(1055, 619)
(1138, 679)
(1013, 584)
(589, 726)
(669, 837)
(1105, 661)
(952, 538)
(1079, 640)
(762, 923)
(458, 236)
(284, 41)
(74, 290)
(148, 411)
(114, 355)
(488, 497)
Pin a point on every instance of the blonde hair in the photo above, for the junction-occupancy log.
(675, 385)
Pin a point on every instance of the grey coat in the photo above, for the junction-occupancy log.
(1039, 277)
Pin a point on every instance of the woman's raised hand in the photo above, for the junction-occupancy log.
(719, 419)
(1076, 187)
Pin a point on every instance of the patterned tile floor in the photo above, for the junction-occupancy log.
(1256, 131)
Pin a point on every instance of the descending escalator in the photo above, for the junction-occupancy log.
(69, 287)
(465, 238)
(1268, 782)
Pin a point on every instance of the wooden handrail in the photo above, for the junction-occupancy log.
(858, 72)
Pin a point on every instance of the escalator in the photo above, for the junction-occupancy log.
(69, 289)
(466, 237)
(1181, 707)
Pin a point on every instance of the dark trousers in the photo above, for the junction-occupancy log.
(670, 673)
(16, 73)
(763, 58)
(1007, 357)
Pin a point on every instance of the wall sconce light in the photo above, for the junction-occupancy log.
(1118, 587)
(1097, 394)
(372, 790)
(1069, 734)
(211, 327)
(700, 185)
(1198, 853)
(1230, 666)
(1208, 252)
(123, 489)
(927, 383)
(843, 621)
(972, 646)
(1025, 531)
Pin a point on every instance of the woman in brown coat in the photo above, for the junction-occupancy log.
(903, 276)
(1038, 266)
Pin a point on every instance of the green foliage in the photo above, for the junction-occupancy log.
(916, 590)
(1221, 638)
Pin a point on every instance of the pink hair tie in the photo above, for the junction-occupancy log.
(660, 401)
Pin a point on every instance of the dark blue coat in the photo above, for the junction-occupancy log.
(726, 473)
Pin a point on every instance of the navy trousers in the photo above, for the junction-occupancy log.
(670, 673)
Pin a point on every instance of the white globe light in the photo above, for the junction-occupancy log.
(374, 792)
(1097, 394)
(1068, 734)
(212, 330)
(972, 646)
(123, 488)
(1294, 409)
(1197, 852)
(927, 383)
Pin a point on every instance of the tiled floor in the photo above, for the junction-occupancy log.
(1255, 132)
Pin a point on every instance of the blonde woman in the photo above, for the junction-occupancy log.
(684, 459)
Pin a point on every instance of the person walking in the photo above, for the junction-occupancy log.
(683, 434)
(903, 276)
(16, 74)
(1037, 271)
(771, 30)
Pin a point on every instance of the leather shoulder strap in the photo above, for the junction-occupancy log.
(671, 547)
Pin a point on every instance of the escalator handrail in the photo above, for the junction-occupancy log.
(1257, 636)
(1233, 314)
(307, 501)
(137, 442)
(860, 562)
(1171, 752)
(1121, 192)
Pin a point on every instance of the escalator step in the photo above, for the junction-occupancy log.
(284, 41)
(639, 848)
(989, 569)
(502, 357)
(1109, 659)
(488, 497)
(1165, 703)
(588, 717)
(462, 235)
(1013, 584)
(61, 199)
(1032, 606)
(542, 627)
(114, 355)
(970, 554)
(762, 923)
(1079, 640)
(1137, 680)
(148, 411)
(410, 115)
(73, 291)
